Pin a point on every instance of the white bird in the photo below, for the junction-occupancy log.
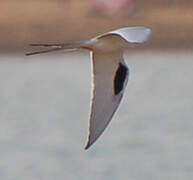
(110, 73)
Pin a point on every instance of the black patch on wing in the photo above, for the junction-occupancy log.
(120, 78)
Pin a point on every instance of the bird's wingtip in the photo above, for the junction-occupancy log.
(89, 143)
(87, 146)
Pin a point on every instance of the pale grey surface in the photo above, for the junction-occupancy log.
(138, 34)
(44, 106)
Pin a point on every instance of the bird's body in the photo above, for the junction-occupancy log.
(110, 73)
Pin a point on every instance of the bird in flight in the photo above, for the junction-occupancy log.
(110, 73)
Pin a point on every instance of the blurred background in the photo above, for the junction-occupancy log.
(45, 99)
(23, 22)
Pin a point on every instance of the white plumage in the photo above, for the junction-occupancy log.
(110, 73)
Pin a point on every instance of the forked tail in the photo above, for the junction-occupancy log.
(55, 47)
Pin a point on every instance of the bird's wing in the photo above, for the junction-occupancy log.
(110, 76)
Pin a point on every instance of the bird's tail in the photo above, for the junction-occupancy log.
(55, 47)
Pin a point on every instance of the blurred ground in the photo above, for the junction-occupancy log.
(44, 119)
(23, 22)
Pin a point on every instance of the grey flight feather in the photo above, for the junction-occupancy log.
(104, 101)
